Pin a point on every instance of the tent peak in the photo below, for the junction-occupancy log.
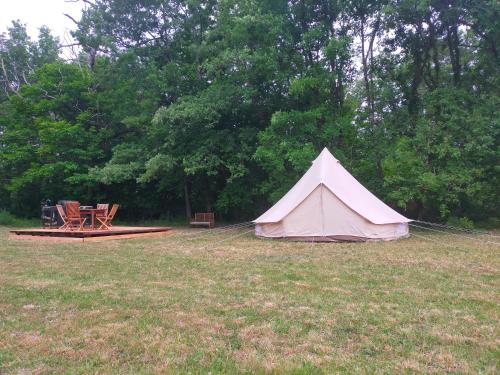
(325, 155)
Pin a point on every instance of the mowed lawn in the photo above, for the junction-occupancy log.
(245, 305)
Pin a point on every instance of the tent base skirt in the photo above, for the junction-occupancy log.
(336, 238)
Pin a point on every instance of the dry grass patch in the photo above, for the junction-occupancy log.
(214, 304)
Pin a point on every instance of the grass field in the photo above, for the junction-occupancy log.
(244, 305)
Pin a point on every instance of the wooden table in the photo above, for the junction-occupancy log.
(93, 212)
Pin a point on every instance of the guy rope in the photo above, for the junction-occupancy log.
(447, 229)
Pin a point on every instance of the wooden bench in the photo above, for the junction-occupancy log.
(203, 219)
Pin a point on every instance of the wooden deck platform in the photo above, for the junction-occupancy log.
(115, 232)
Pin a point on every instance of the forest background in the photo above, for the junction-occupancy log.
(177, 106)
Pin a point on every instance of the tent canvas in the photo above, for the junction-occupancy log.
(328, 203)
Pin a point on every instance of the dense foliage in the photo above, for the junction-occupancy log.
(192, 105)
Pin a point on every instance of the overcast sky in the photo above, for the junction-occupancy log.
(36, 13)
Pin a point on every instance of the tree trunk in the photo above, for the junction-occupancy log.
(452, 40)
(418, 66)
(364, 58)
(435, 53)
(187, 198)
(91, 55)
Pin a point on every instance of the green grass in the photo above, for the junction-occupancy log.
(172, 305)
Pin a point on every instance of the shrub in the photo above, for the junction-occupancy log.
(6, 218)
(491, 223)
(462, 222)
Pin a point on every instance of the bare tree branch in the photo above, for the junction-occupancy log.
(46, 94)
(8, 84)
(69, 45)
(25, 80)
(71, 18)
(77, 1)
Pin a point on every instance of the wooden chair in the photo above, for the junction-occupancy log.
(63, 216)
(203, 219)
(106, 221)
(102, 206)
(73, 216)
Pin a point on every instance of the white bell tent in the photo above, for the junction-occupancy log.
(329, 204)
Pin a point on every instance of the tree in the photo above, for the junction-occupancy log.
(50, 137)
(320, 114)
(448, 168)
(19, 56)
